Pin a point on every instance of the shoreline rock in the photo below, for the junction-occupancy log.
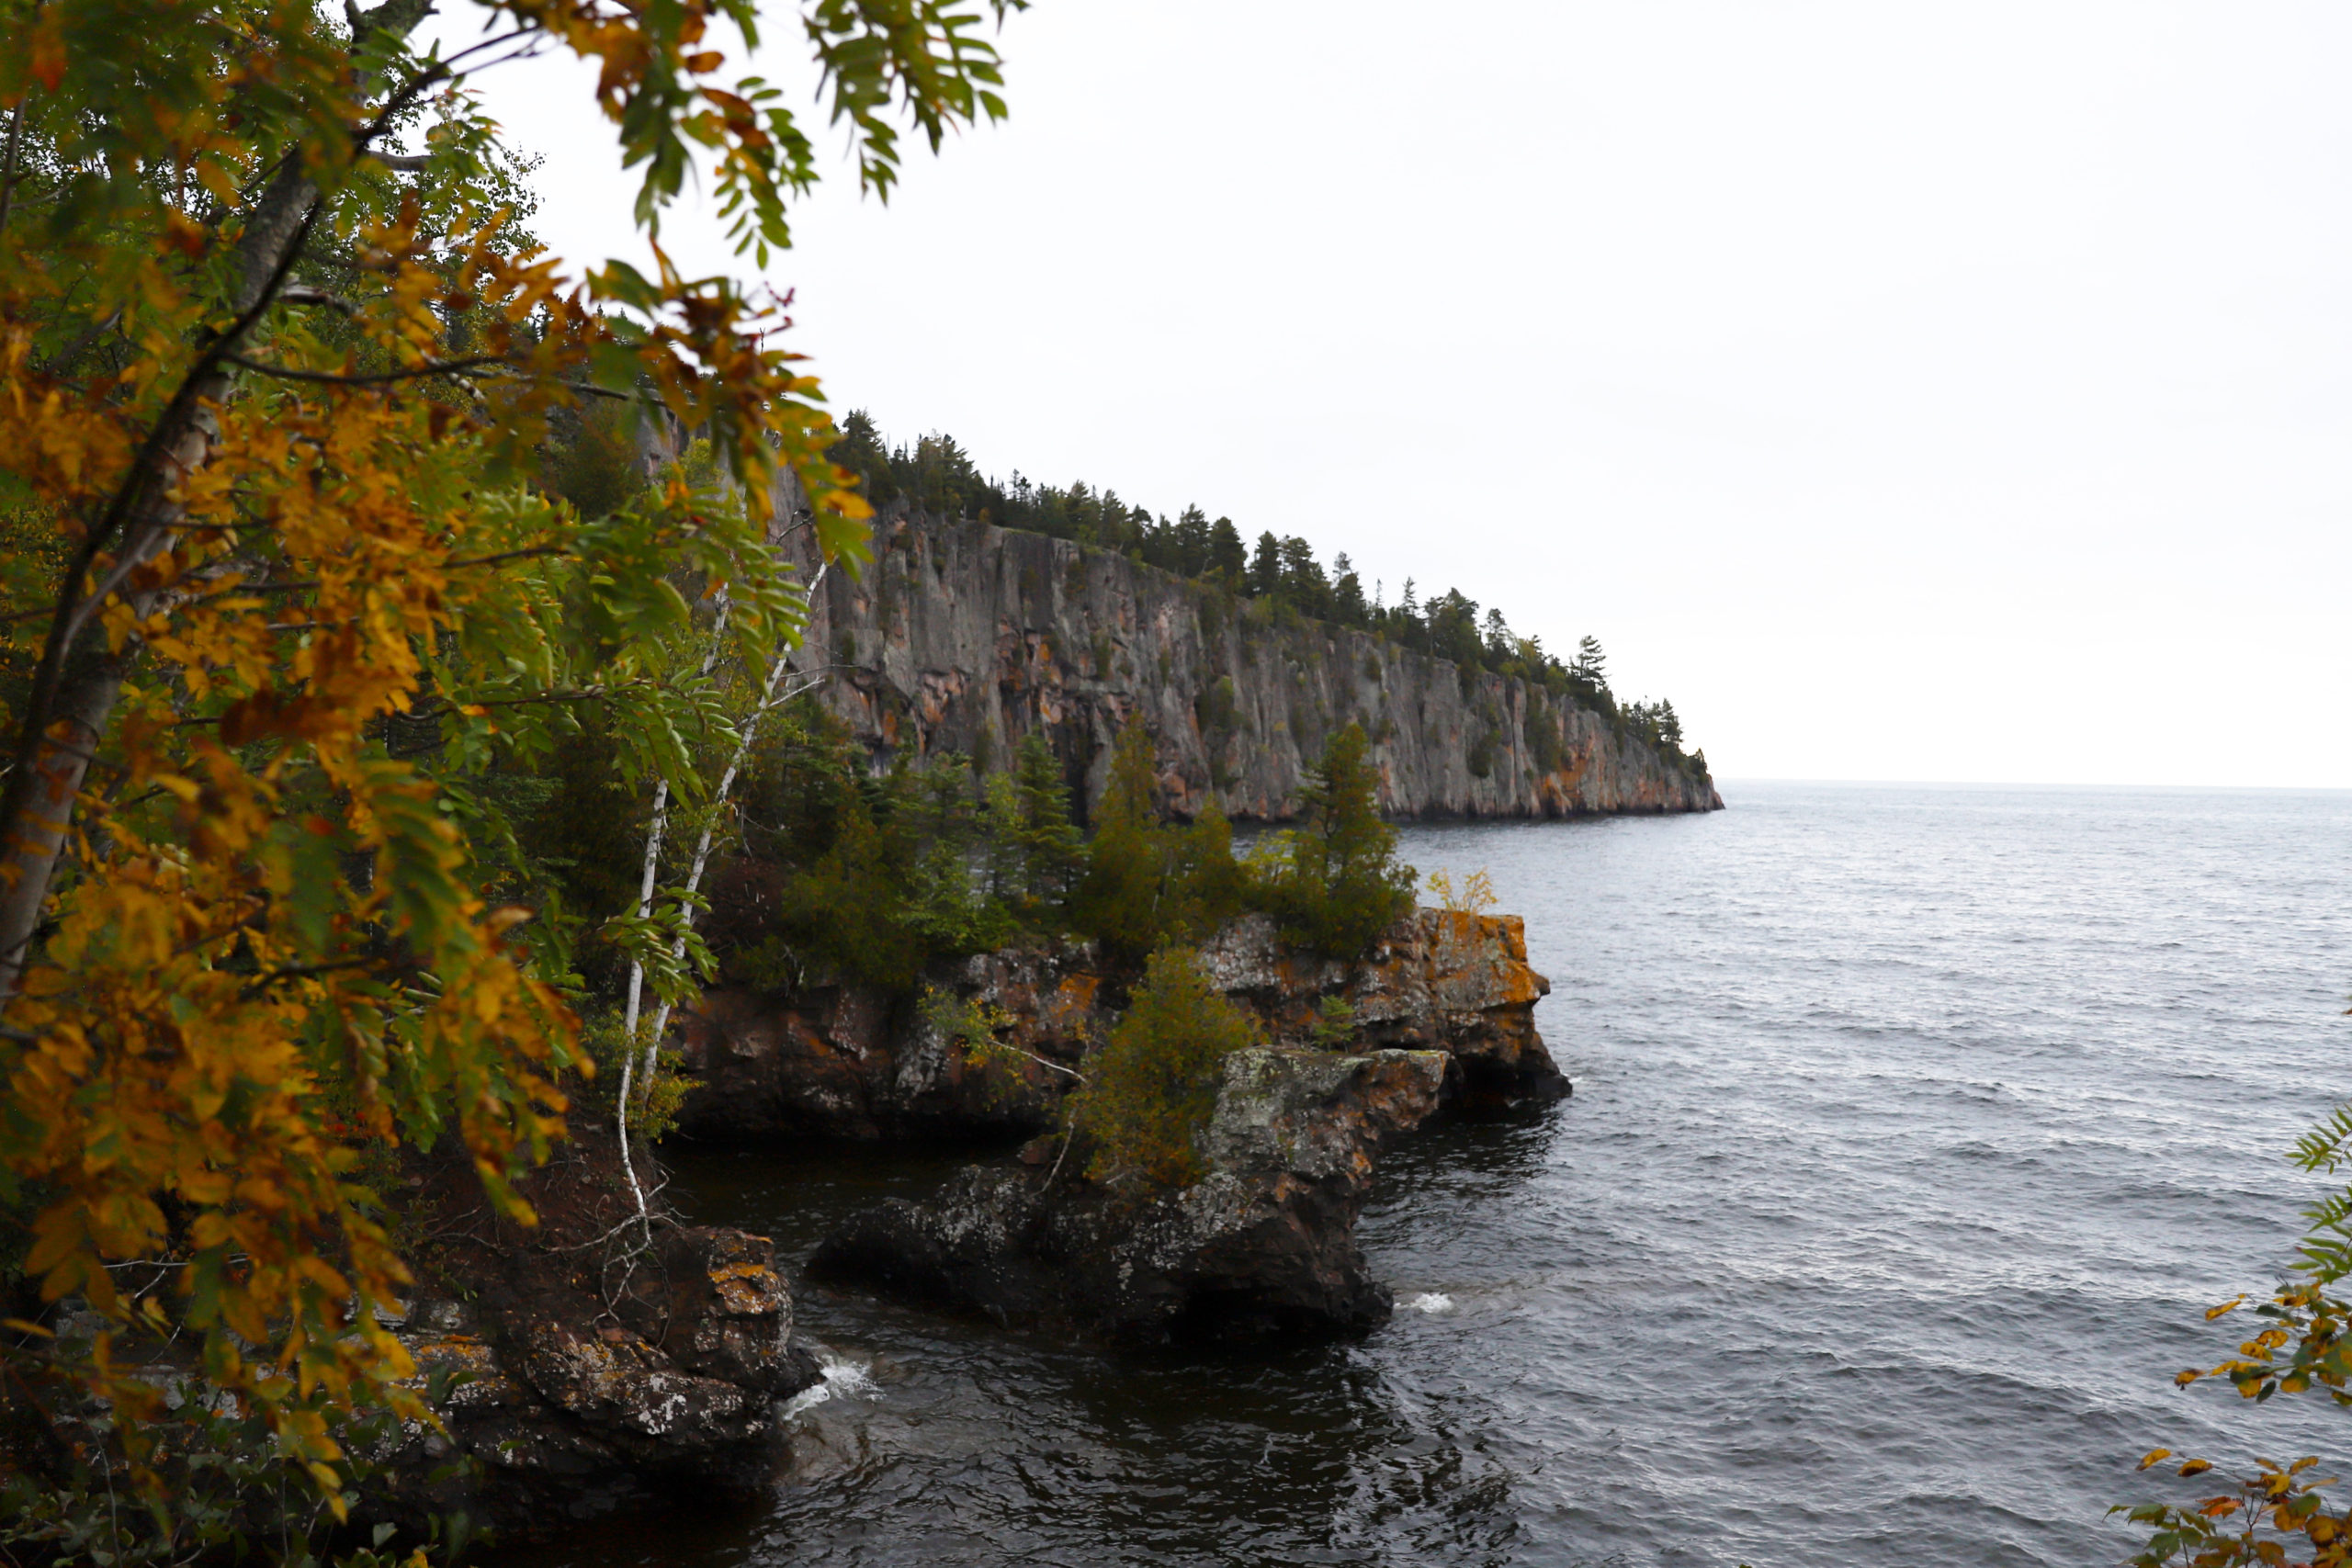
(576, 1370)
(843, 1062)
(1262, 1247)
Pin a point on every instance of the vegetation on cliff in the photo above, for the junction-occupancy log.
(1278, 576)
(836, 875)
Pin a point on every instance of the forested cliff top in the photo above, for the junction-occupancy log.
(963, 637)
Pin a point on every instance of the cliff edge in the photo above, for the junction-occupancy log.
(964, 636)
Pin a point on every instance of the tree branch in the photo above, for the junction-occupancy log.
(366, 378)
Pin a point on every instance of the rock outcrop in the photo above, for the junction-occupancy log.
(579, 1366)
(965, 637)
(842, 1062)
(1263, 1245)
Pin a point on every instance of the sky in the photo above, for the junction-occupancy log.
(1910, 392)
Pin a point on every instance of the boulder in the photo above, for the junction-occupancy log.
(1262, 1246)
(580, 1366)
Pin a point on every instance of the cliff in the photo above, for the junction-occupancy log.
(963, 637)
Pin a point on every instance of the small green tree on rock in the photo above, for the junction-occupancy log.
(1149, 882)
(1154, 1082)
(1336, 884)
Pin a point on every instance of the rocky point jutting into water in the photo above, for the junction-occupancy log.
(1440, 1012)
(963, 637)
(850, 1062)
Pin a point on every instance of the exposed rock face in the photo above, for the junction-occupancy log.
(965, 637)
(845, 1063)
(1455, 983)
(1263, 1245)
(580, 1377)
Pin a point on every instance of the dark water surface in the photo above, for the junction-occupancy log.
(1912, 1128)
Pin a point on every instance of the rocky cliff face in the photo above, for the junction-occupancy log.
(842, 1062)
(967, 638)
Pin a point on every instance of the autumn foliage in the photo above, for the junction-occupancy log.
(277, 358)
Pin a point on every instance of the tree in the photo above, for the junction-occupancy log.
(1266, 568)
(1336, 884)
(1453, 629)
(279, 359)
(1348, 606)
(1227, 557)
(1148, 883)
(1303, 582)
(1591, 666)
(1191, 538)
(1035, 850)
(1154, 1082)
(2304, 1348)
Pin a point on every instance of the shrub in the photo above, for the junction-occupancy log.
(656, 1102)
(1481, 758)
(1154, 1083)
(971, 1028)
(860, 878)
(1217, 710)
(1541, 727)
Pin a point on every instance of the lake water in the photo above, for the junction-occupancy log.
(1912, 1128)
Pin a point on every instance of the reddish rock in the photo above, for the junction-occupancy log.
(843, 1062)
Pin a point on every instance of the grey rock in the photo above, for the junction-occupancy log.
(962, 637)
(1263, 1245)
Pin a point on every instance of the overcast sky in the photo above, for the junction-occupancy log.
(1952, 392)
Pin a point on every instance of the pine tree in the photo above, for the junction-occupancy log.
(1035, 849)
(1117, 899)
(1147, 882)
(1591, 666)
(1266, 568)
(1348, 606)
(1341, 884)
(1228, 558)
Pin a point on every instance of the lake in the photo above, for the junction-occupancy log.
(1914, 1128)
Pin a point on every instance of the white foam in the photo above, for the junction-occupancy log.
(1430, 1300)
(843, 1378)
